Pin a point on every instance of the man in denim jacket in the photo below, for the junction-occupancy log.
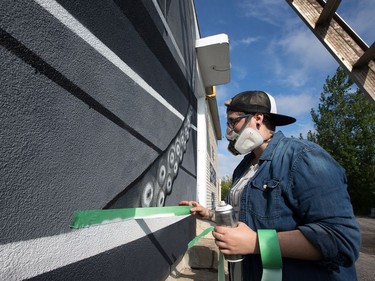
(292, 186)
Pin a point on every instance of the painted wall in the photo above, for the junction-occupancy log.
(97, 110)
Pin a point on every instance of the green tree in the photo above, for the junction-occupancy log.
(345, 127)
(226, 183)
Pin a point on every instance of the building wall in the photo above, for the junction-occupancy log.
(98, 111)
(212, 163)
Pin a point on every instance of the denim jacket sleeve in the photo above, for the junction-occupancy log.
(318, 185)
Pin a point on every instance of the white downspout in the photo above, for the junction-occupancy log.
(201, 151)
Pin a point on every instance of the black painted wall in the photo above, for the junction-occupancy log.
(98, 110)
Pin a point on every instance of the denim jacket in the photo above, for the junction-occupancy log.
(300, 186)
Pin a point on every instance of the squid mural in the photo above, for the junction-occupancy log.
(152, 187)
(98, 111)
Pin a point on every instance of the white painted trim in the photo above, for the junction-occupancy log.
(76, 27)
(197, 35)
(26, 259)
(201, 151)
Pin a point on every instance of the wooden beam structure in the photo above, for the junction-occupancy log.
(351, 52)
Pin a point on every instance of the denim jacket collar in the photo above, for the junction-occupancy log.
(270, 149)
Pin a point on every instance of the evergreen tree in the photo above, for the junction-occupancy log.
(345, 127)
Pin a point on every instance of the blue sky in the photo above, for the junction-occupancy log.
(271, 49)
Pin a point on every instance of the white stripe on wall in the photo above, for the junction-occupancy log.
(170, 34)
(25, 259)
(75, 26)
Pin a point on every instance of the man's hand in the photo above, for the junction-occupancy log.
(198, 210)
(237, 240)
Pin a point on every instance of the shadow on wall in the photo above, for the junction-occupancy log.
(152, 187)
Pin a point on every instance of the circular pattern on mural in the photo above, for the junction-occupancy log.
(162, 172)
(147, 195)
(168, 187)
(161, 199)
(175, 168)
(171, 156)
(179, 154)
(160, 175)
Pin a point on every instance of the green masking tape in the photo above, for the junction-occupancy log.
(87, 218)
(195, 240)
(220, 267)
(270, 254)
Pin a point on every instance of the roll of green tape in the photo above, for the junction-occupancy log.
(270, 254)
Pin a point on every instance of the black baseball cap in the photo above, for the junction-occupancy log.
(258, 101)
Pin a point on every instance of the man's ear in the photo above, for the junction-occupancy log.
(259, 118)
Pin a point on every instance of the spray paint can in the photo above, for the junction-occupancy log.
(224, 215)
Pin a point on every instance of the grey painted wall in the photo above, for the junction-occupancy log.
(98, 110)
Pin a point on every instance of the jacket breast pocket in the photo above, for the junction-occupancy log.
(262, 199)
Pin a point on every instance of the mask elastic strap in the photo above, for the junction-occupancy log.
(244, 126)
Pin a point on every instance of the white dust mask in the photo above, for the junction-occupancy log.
(248, 140)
